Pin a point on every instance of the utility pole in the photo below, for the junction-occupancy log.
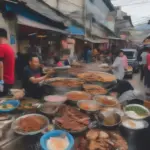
(57, 4)
(84, 16)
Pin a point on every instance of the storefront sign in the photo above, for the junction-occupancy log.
(12, 39)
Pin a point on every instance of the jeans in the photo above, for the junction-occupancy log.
(142, 72)
(7, 87)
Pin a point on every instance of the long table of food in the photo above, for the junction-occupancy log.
(81, 113)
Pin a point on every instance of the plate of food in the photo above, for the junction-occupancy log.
(30, 124)
(28, 104)
(71, 120)
(106, 101)
(94, 89)
(135, 111)
(96, 139)
(135, 124)
(75, 96)
(88, 105)
(57, 140)
(9, 105)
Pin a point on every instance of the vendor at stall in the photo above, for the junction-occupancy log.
(7, 64)
(32, 77)
(118, 67)
(126, 92)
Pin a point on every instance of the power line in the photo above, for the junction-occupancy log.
(141, 20)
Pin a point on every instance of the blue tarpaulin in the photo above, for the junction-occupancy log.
(75, 30)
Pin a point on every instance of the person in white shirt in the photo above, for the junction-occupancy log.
(118, 67)
(143, 63)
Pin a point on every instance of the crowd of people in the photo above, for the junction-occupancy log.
(145, 68)
(31, 74)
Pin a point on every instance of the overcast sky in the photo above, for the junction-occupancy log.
(139, 10)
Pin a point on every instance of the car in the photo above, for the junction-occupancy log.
(132, 55)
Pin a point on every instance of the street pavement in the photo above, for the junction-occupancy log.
(137, 83)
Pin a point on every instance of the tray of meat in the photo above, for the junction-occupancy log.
(71, 120)
(96, 139)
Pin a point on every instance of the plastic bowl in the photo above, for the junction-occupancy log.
(15, 103)
(101, 98)
(52, 99)
(56, 133)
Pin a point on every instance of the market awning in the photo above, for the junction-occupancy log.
(114, 38)
(25, 21)
(96, 40)
(75, 30)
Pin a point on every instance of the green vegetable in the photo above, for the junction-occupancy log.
(138, 110)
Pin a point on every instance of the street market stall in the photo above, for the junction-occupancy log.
(80, 114)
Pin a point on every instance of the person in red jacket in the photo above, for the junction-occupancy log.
(7, 64)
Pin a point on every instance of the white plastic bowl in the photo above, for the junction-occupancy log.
(55, 99)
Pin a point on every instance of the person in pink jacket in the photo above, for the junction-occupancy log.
(124, 60)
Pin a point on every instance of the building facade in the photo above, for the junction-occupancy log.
(93, 15)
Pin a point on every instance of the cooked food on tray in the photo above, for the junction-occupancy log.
(72, 119)
(57, 143)
(136, 111)
(97, 76)
(130, 68)
(88, 105)
(78, 95)
(134, 124)
(74, 71)
(101, 140)
(66, 82)
(6, 106)
(94, 89)
(107, 101)
(31, 123)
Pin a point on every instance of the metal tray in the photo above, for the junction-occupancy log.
(14, 125)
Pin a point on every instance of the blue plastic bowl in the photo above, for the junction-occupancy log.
(56, 133)
(15, 103)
